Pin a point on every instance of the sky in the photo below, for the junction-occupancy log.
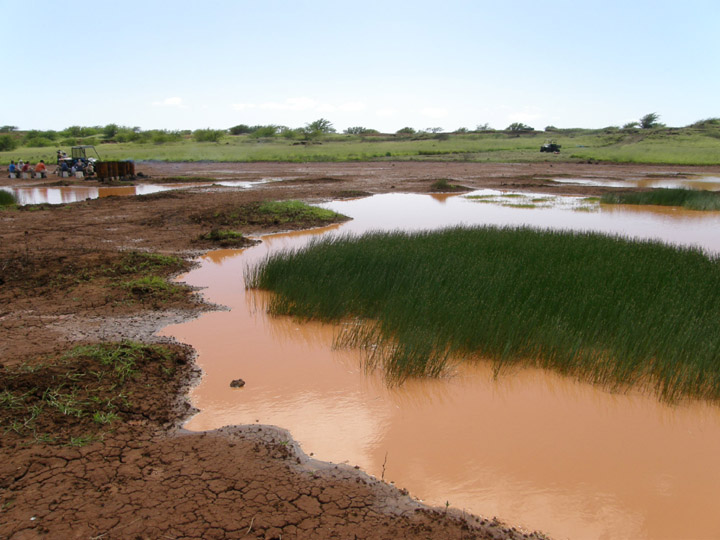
(382, 65)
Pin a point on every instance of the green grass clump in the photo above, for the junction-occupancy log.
(443, 185)
(7, 198)
(605, 309)
(286, 211)
(686, 198)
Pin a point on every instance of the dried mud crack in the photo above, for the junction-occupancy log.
(88, 455)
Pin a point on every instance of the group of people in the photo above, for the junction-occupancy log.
(75, 166)
(22, 167)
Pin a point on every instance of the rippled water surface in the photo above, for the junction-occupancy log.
(533, 448)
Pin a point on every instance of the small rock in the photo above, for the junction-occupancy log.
(237, 383)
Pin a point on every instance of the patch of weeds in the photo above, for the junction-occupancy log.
(225, 238)
(82, 440)
(76, 395)
(519, 205)
(153, 287)
(591, 199)
(100, 417)
(137, 262)
(444, 185)
(290, 214)
(295, 210)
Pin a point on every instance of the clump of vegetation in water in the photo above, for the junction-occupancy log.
(605, 309)
(443, 185)
(7, 198)
(687, 198)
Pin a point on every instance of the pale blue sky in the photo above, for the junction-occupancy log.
(379, 64)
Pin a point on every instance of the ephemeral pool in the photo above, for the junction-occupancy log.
(531, 447)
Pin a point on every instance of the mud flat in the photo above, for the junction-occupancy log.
(146, 477)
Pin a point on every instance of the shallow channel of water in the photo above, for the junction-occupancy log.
(532, 448)
(71, 194)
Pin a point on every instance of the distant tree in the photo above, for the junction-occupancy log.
(519, 126)
(7, 143)
(405, 131)
(483, 127)
(359, 130)
(289, 133)
(240, 129)
(631, 125)
(208, 135)
(461, 130)
(259, 132)
(551, 128)
(320, 126)
(434, 129)
(110, 131)
(649, 121)
(7, 129)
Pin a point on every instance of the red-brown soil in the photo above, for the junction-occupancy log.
(63, 280)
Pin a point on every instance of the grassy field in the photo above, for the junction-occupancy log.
(604, 309)
(686, 146)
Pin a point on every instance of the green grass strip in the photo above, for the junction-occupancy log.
(686, 198)
(605, 309)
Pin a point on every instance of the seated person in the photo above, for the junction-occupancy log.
(12, 168)
(25, 168)
(64, 167)
(41, 168)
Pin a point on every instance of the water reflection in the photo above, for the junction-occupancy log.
(70, 194)
(532, 447)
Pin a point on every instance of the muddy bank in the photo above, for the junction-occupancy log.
(146, 478)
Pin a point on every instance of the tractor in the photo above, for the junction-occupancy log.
(550, 146)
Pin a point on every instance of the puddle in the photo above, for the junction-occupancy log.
(532, 448)
(710, 183)
(70, 194)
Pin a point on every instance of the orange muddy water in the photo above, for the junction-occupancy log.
(532, 448)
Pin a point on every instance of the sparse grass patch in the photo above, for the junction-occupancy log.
(225, 238)
(75, 398)
(443, 185)
(686, 198)
(153, 287)
(604, 309)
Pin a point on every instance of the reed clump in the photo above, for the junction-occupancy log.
(604, 309)
(7, 198)
(686, 198)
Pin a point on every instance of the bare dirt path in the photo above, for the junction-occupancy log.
(59, 268)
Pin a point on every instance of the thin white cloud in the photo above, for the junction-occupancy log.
(170, 102)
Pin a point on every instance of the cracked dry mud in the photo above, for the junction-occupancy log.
(148, 478)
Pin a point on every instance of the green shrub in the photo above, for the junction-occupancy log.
(208, 135)
(7, 143)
